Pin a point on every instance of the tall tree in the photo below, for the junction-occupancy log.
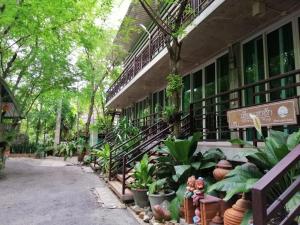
(171, 30)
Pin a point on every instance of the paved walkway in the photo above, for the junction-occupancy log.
(53, 192)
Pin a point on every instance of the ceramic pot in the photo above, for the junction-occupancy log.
(217, 220)
(234, 215)
(157, 199)
(140, 197)
(222, 169)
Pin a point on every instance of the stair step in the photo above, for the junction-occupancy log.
(128, 181)
(116, 187)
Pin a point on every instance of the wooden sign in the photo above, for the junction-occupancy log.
(270, 114)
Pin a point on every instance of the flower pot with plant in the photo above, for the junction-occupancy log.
(159, 191)
(143, 172)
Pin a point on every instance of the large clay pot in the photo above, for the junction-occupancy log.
(140, 197)
(234, 215)
(222, 169)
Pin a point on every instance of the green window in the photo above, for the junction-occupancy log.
(281, 59)
(154, 103)
(161, 100)
(223, 85)
(186, 94)
(197, 97)
(197, 85)
(253, 54)
(210, 112)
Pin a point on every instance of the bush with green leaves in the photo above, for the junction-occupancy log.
(102, 156)
(179, 161)
(66, 150)
(242, 178)
(143, 172)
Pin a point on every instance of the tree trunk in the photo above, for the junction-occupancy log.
(58, 125)
(174, 53)
(91, 109)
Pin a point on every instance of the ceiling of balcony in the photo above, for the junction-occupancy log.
(231, 22)
(128, 38)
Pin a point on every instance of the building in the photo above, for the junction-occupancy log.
(235, 54)
(10, 112)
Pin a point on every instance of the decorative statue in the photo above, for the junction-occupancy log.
(196, 218)
(190, 188)
(199, 191)
(198, 194)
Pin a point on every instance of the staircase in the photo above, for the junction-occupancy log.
(124, 157)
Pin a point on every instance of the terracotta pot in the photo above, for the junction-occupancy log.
(222, 169)
(217, 220)
(234, 215)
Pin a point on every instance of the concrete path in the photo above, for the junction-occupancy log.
(54, 192)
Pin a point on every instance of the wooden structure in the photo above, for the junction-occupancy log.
(10, 112)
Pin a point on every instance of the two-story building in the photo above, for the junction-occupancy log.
(235, 53)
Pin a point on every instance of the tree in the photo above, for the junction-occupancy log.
(171, 30)
(38, 39)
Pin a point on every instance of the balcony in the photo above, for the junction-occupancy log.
(156, 43)
(212, 29)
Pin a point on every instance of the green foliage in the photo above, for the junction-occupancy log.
(174, 84)
(261, 160)
(66, 149)
(239, 180)
(143, 172)
(124, 131)
(169, 112)
(103, 157)
(182, 160)
(158, 186)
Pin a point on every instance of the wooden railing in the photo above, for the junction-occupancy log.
(263, 211)
(209, 114)
(156, 43)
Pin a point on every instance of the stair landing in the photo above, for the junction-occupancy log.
(116, 187)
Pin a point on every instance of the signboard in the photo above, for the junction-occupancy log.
(270, 114)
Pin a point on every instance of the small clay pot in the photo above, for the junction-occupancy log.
(235, 215)
(217, 220)
(222, 169)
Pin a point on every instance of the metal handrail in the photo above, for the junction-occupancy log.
(276, 77)
(197, 5)
(112, 165)
(158, 137)
(263, 213)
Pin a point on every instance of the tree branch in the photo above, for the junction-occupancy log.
(164, 28)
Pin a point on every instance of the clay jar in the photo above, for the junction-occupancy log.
(217, 220)
(222, 169)
(234, 215)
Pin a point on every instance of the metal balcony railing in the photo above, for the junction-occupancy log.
(156, 43)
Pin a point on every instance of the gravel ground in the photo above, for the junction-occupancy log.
(44, 192)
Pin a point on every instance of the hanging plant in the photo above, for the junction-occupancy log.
(174, 84)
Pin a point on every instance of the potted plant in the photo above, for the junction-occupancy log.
(143, 172)
(159, 191)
